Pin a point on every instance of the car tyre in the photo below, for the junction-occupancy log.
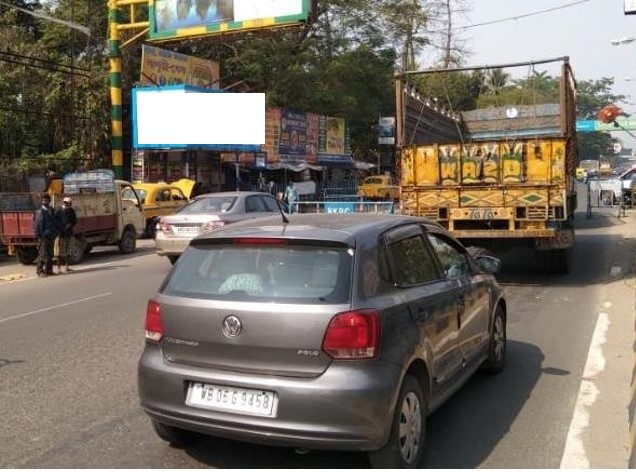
(405, 447)
(497, 345)
(176, 437)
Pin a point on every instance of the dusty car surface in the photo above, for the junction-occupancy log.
(158, 199)
(207, 212)
(328, 332)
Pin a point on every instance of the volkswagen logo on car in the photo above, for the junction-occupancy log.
(232, 326)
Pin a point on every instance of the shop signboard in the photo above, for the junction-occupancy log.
(293, 135)
(171, 19)
(138, 169)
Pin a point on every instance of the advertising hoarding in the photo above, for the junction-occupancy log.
(170, 19)
(181, 117)
(162, 67)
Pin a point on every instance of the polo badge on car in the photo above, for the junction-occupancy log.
(232, 326)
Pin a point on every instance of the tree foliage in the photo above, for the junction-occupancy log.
(54, 80)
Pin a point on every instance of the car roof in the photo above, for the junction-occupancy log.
(235, 193)
(149, 186)
(344, 228)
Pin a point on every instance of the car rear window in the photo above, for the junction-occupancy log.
(282, 273)
(209, 205)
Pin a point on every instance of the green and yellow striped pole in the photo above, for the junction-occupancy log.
(114, 79)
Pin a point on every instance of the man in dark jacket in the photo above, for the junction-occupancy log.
(68, 219)
(47, 228)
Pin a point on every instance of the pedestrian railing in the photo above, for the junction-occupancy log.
(343, 207)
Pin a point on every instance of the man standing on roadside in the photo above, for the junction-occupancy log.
(68, 219)
(47, 228)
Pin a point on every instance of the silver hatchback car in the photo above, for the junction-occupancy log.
(330, 331)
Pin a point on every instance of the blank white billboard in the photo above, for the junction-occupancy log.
(177, 117)
(256, 9)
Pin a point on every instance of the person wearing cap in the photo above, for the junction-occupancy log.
(68, 219)
(46, 227)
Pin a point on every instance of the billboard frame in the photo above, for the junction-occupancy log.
(229, 27)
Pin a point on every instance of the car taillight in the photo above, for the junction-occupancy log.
(210, 225)
(154, 324)
(353, 335)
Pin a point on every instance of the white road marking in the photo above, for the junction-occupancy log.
(574, 455)
(53, 307)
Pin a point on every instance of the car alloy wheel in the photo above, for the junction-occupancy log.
(405, 446)
(499, 339)
(497, 346)
(410, 428)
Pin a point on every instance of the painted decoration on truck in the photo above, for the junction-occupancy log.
(449, 164)
(538, 161)
(471, 163)
(407, 176)
(426, 166)
(558, 161)
(491, 164)
(511, 158)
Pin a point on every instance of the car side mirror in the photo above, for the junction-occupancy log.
(488, 264)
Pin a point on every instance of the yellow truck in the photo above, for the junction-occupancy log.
(379, 187)
(496, 177)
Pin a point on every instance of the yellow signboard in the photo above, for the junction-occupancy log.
(163, 67)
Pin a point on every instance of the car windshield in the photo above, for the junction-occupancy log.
(209, 205)
(282, 273)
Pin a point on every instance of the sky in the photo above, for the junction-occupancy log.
(583, 32)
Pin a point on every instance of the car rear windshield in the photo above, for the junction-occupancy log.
(282, 273)
(208, 205)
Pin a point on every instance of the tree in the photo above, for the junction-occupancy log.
(592, 95)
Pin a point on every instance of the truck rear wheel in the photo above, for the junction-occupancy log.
(128, 241)
(27, 255)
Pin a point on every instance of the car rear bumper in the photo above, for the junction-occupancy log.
(171, 246)
(348, 407)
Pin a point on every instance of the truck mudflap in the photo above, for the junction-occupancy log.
(563, 239)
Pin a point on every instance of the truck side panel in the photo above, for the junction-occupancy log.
(96, 213)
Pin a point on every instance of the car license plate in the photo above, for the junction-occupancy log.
(239, 400)
(188, 230)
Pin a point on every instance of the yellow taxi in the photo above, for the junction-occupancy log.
(158, 199)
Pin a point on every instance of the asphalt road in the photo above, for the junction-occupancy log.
(69, 346)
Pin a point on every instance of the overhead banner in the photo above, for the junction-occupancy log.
(162, 67)
(170, 19)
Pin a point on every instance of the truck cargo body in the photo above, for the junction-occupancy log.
(509, 180)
